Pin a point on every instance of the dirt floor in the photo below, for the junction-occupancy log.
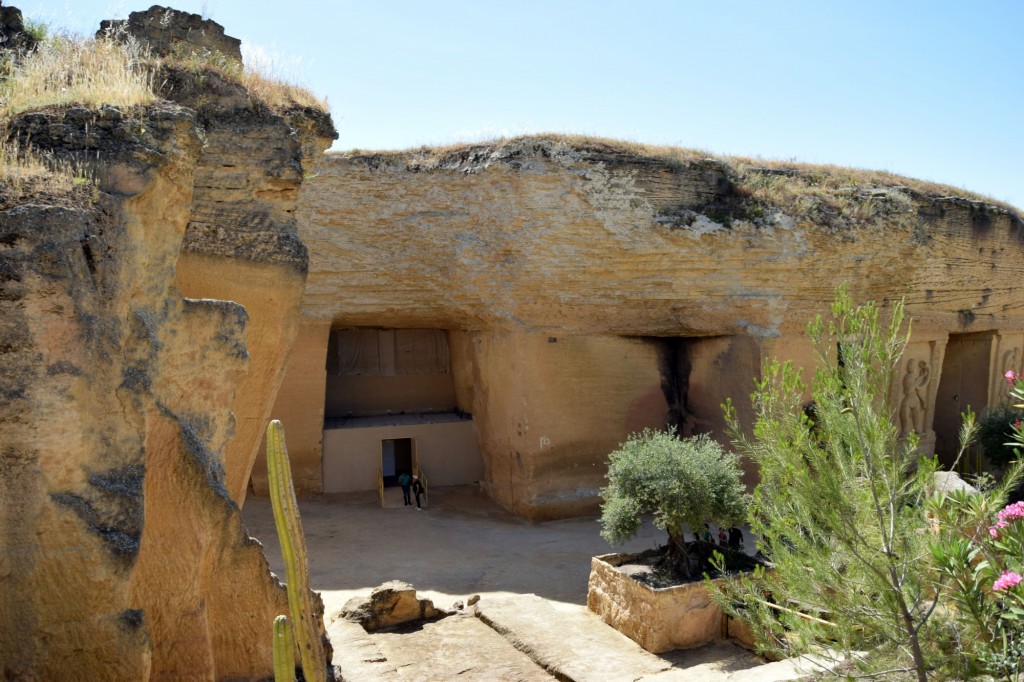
(460, 544)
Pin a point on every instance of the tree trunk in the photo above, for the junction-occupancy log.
(677, 558)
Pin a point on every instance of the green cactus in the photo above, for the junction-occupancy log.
(284, 650)
(293, 549)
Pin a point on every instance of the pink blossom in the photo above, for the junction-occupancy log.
(1010, 376)
(1016, 425)
(1011, 512)
(994, 531)
(1007, 580)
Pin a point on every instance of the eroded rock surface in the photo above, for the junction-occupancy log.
(168, 31)
(122, 551)
(391, 604)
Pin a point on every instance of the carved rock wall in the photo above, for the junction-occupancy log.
(608, 249)
(123, 553)
(242, 243)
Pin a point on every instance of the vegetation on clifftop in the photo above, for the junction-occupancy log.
(752, 189)
(60, 70)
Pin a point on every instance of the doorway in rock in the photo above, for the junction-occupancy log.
(964, 383)
(392, 404)
(397, 457)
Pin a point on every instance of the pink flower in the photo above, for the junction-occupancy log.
(1016, 425)
(1011, 512)
(1007, 580)
(1010, 376)
(993, 531)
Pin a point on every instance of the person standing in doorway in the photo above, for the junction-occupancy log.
(417, 490)
(405, 480)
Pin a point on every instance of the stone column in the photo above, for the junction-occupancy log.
(550, 407)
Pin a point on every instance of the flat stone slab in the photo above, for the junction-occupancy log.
(575, 645)
(458, 647)
(357, 655)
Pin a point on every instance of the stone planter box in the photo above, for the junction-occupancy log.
(659, 620)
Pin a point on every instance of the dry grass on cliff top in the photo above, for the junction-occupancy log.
(67, 70)
(800, 187)
(119, 71)
(263, 86)
(27, 174)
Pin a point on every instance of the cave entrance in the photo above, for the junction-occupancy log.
(698, 375)
(397, 457)
(391, 406)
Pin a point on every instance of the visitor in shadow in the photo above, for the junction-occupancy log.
(405, 480)
(417, 490)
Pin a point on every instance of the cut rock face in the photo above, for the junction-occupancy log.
(122, 550)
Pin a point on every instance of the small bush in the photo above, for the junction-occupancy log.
(995, 432)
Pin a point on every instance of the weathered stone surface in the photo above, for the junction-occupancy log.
(590, 290)
(460, 647)
(123, 553)
(593, 651)
(242, 243)
(13, 35)
(171, 32)
(393, 603)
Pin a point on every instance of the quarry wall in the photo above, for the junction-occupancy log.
(599, 289)
(144, 324)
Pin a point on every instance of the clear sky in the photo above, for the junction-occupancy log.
(928, 88)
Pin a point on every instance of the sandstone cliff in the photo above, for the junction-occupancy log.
(122, 551)
(592, 288)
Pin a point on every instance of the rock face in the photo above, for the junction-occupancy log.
(590, 289)
(242, 242)
(393, 603)
(171, 32)
(13, 35)
(122, 551)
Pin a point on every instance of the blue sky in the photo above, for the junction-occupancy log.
(932, 89)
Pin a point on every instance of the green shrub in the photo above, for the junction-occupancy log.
(995, 432)
(839, 511)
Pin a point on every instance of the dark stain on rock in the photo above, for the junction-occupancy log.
(136, 380)
(133, 619)
(195, 433)
(63, 367)
(120, 532)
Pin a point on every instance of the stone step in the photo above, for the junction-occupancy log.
(525, 638)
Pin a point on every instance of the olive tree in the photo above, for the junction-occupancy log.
(680, 481)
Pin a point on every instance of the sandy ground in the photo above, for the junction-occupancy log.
(461, 544)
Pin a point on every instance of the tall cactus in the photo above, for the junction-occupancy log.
(284, 650)
(293, 549)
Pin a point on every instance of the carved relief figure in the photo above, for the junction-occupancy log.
(915, 397)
